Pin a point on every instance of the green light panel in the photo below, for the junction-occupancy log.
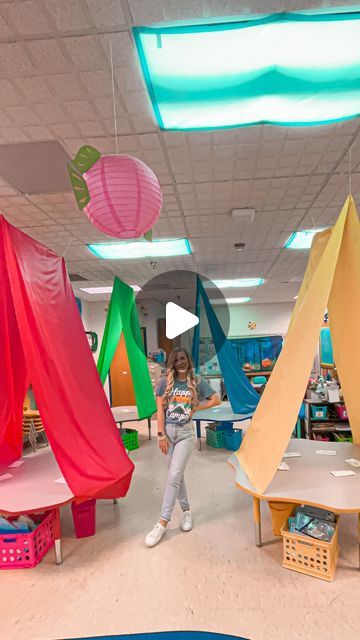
(286, 69)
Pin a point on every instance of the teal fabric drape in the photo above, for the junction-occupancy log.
(242, 396)
(326, 348)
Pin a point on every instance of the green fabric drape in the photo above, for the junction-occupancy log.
(122, 316)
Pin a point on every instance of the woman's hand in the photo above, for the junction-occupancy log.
(164, 445)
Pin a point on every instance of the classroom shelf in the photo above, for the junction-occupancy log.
(323, 425)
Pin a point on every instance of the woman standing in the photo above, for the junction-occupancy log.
(178, 395)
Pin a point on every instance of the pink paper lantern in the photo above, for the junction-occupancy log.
(125, 196)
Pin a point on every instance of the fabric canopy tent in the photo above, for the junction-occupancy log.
(332, 280)
(43, 342)
(122, 316)
(242, 396)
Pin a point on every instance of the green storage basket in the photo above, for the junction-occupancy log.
(215, 438)
(130, 438)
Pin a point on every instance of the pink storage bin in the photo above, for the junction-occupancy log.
(26, 550)
(322, 438)
(84, 517)
(341, 411)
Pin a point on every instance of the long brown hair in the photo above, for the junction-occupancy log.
(191, 378)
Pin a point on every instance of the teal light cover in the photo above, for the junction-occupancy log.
(285, 69)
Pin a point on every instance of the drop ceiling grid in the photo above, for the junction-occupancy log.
(55, 83)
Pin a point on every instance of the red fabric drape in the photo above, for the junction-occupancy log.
(13, 374)
(52, 351)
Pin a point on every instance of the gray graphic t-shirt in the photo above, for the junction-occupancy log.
(179, 407)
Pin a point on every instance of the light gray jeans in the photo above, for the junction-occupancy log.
(181, 445)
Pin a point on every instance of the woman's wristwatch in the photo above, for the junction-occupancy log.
(161, 435)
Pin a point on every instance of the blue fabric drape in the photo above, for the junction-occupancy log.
(242, 396)
(195, 351)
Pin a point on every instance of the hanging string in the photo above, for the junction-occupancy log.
(113, 95)
(67, 247)
(350, 170)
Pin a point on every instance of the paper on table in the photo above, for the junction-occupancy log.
(212, 410)
(60, 481)
(15, 464)
(353, 462)
(342, 474)
(325, 452)
(292, 454)
(6, 476)
(283, 466)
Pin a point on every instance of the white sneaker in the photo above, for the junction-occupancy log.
(186, 521)
(155, 535)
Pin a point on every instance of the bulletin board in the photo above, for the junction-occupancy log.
(258, 353)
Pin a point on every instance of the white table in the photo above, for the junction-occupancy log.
(222, 413)
(128, 414)
(309, 480)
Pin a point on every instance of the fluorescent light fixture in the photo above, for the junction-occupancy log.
(301, 239)
(141, 249)
(239, 282)
(232, 301)
(94, 290)
(243, 72)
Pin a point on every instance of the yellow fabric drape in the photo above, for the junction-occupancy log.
(332, 275)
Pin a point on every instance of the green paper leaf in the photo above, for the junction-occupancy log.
(80, 188)
(149, 235)
(86, 158)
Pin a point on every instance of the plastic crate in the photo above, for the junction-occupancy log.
(341, 411)
(219, 426)
(26, 550)
(130, 438)
(215, 438)
(319, 412)
(233, 439)
(307, 555)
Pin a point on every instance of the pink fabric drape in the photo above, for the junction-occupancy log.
(43, 341)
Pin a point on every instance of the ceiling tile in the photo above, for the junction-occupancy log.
(14, 60)
(69, 15)
(85, 52)
(22, 115)
(65, 86)
(34, 89)
(47, 56)
(28, 18)
(80, 110)
(8, 94)
(107, 14)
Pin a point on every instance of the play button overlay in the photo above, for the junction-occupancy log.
(178, 320)
(166, 308)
